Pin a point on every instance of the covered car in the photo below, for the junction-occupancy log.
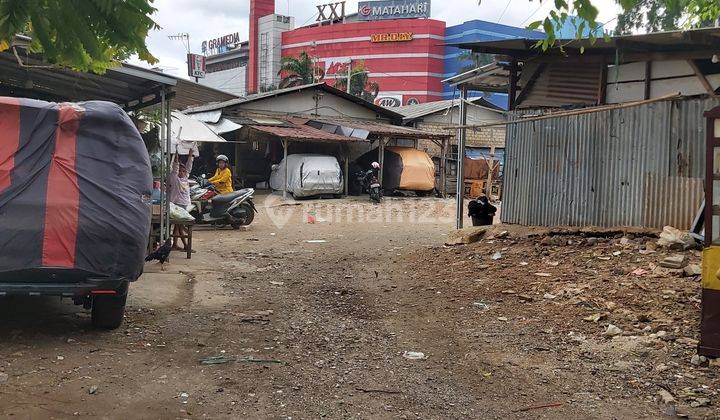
(309, 175)
(404, 168)
(75, 188)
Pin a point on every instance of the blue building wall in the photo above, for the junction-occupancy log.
(477, 31)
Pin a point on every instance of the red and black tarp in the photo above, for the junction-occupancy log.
(75, 188)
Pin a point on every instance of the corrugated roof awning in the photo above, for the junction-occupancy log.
(303, 133)
(373, 128)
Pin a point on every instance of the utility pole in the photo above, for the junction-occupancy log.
(349, 75)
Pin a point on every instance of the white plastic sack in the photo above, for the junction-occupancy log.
(308, 175)
(179, 214)
(672, 237)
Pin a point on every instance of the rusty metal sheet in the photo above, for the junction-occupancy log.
(639, 166)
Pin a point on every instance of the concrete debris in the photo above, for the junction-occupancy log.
(698, 360)
(666, 397)
(692, 270)
(677, 261)
(467, 236)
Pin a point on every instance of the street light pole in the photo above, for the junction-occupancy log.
(349, 75)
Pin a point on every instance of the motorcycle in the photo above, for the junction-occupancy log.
(235, 209)
(372, 186)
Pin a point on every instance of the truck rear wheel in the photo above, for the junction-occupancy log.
(108, 311)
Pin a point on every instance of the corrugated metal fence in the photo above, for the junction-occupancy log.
(638, 166)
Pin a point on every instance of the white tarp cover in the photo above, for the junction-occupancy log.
(186, 132)
(224, 126)
(308, 175)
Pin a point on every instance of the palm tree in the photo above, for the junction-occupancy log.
(299, 71)
(359, 83)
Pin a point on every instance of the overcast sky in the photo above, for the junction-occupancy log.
(204, 19)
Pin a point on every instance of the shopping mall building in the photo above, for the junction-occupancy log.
(403, 51)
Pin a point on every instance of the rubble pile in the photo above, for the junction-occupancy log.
(624, 306)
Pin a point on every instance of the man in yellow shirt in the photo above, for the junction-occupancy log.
(222, 180)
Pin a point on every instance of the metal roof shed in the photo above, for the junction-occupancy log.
(131, 87)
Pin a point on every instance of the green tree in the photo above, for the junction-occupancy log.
(360, 84)
(659, 15)
(649, 14)
(87, 35)
(298, 71)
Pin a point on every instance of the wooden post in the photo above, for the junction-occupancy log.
(347, 170)
(512, 91)
(460, 191)
(648, 78)
(381, 157)
(285, 155)
(443, 168)
(491, 168)
(602, 89)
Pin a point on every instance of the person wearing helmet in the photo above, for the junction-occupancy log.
(222, 180)
(376, 169)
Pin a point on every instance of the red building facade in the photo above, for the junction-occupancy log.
(405, 57)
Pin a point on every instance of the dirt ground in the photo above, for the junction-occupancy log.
(323, 320)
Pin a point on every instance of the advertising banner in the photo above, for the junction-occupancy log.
(393, 9)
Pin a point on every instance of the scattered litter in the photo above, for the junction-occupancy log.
(617, 253)
(553, 263)
(379, 391)
(267, 268)
(252, 239)
(316, 241)
(311, 219)
(508, 292)
(612, 331)
(543, 274)
(538, 407)
(502, 318)
(676, 261)
(4, 377)
(60, 358)
(217, 360)
(549, 296)
(639, 272)
(481, 305)
(184, 397)
(675, 239)
(502, 234)
(595, 317)
(496, 256)
(524, 263)
(93, 390)
(277, 283)
(414, 355)
(700, 402)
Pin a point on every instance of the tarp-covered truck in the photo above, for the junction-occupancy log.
(75, 188)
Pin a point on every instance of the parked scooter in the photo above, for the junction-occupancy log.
(371, 185)
(235, 209)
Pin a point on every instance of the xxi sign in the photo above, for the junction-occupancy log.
(331, 11)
